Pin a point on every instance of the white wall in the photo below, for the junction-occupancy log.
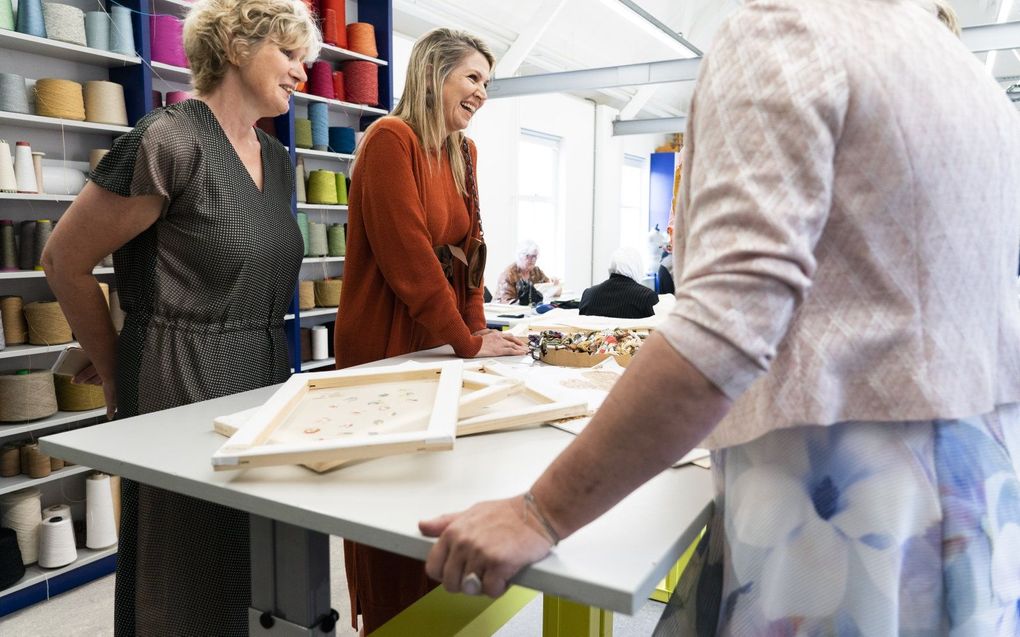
(496, 130)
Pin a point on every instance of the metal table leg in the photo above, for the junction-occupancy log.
(289, 581)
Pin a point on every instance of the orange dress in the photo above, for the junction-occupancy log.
(395, 297)
(396, 300)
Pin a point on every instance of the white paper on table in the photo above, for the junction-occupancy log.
(549, 379)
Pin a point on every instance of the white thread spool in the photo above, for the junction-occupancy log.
(320, 347)
(24, 168)
(299, 181)
(56, 542)
(8, 182)
(22, 511)
(100, 530)
(57, 509)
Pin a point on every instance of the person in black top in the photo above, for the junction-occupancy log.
(620, 296)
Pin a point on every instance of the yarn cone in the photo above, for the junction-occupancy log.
(6, 15)
(30, 18)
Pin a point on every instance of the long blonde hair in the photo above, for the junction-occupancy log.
(433, 57)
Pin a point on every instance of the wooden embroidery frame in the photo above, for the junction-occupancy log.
(479, 406)
(251, 444)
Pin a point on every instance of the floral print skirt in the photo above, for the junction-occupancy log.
(862, 528)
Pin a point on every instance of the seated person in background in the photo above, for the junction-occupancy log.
(517, 282)
(665, 278)
(620, 296)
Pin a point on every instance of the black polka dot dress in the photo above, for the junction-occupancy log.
(205, 290)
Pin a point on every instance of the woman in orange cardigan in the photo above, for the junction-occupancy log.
(412, 277)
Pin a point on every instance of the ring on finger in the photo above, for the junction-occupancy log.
(471, 584)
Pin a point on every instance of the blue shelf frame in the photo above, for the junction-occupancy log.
(57, 584)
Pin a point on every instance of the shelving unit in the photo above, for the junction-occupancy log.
(171, 73)
(56, 420)
(7, 485)
(310, 365)
(139, 76)
(40, 584)
(336, 54)
(24, 351)
(66, 142)
(54, 123)
(319, 311)
(323, 259)
(323, 154)
(337, 105)
(11, 196)
(39, 274)
(14, 41)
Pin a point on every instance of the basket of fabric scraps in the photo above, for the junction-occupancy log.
(585, 348)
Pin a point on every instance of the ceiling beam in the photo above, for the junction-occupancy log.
(648, 126)
(528, 38)
(638, 101)
(593, 79)
(992, 37)
(982, 38)
(655, 22)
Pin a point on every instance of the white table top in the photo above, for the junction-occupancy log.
(613, 563)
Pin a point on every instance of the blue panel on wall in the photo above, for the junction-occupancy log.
(660, 189)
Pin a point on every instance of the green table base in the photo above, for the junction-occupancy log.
(668, 585)
(455, 615)
(563, 618)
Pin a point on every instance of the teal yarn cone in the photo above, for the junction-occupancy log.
(30, 18)
(318, 113)
(336, 240)
(302, 222)
(341, 189)
(6, 15)
(322, 187)
(122, 33)
(97, 29)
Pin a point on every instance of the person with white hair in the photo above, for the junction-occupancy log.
(621, 295)
(517, 282)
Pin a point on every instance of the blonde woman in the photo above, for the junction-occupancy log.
(415, 255)
(195, 205)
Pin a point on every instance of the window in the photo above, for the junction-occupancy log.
(538, 201)
(634, 202)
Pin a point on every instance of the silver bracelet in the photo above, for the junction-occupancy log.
(529, 502)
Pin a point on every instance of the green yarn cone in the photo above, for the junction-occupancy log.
(337, 240)
(341, 189)
(6, 15)
(322, 187)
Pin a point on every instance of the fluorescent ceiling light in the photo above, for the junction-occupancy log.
(655, 31)
(1004, 10)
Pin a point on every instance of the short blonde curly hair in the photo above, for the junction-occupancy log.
(218, 33)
